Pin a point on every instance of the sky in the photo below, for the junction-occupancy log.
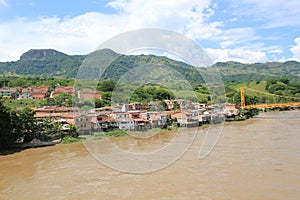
(247, 31)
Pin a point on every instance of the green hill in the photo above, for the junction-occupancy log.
(47, 62)
(238, 72)
(52, 63)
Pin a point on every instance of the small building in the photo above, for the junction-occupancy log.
(141, 124)
(126, 124)
(61, 89)
(187, 119)
(120, 115)
(40, 93)
(138, 106)
(84, 123)
(134, 114)
(89, 94)
(231, 109)
(24, 93)
(56, 109)
(7, 93)
(106, 123)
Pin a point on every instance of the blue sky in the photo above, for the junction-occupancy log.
(246, 31)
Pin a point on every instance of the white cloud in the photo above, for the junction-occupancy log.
(275, 51)
(186, 16)
(78, 35)
(296, 50)
(226, 44)
(238, 55)
(276, 13)
(82, 34)
(239, 35)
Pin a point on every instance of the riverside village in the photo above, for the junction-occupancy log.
(134, 116)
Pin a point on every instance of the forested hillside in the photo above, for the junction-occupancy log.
(52, 63)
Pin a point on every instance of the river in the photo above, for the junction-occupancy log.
(254, 159)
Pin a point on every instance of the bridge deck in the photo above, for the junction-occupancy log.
(273, 105)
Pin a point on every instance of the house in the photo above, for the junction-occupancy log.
(105, 109)
(7, 93)
(187, 118)
(123, 120)
(156, 119)
(89, 94)
(126, 124)
(84, 123)
(61, 89)
(231, 109)
(106, 123)
(216, 118)
(138, 106)
(54, 112)
(40, 93)
(134, 114)
(182, 104)
(141, 124)
(148, 115)
(56, 109)
(120, 115)
(24, 93)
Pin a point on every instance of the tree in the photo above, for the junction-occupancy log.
(162, 106)
(106, 96)
(106, 86)
(176, 106)
(169, 120)
(64, 99)
(73, 130)
(285, 80)
(27, 124)
(8, 132)
(249, 112)
(101, 103)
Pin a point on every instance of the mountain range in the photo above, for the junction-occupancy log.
(50, 62)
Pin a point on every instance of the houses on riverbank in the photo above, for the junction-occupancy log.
(134, 116)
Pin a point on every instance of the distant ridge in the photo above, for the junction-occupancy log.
(50, 62)
(41, 54)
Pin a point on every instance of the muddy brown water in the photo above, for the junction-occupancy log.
(254, 159)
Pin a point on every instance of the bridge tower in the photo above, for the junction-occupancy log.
(243, 104)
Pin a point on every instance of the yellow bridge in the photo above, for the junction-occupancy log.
(295, 102)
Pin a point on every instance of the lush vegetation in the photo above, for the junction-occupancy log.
(238, 72)
(149, 93)
(21, 127)
(51, 63)
(273, 90)
(44, 62)
(24, 81)
(70, 139)
(248, 113)
(283, 86)
(115, 133)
